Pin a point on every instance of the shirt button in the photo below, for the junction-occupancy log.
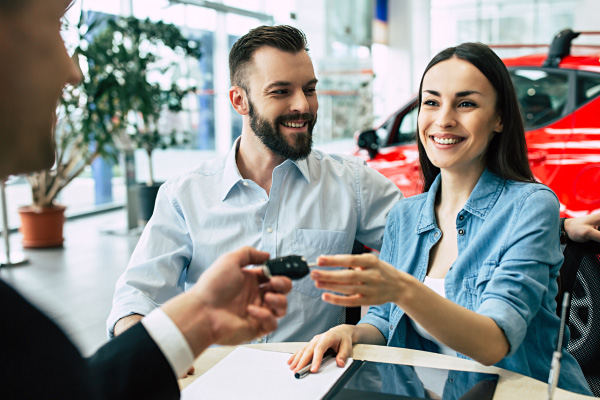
(462, 217)
(436, 234)
(245, 183)
(461, 232)
(391, 327)
(269, 229)
(260, 340)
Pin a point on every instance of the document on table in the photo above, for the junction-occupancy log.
(262, 375)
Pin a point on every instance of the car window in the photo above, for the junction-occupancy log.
(407, 128)
(543, 95)
(588, 87)
(382, 131)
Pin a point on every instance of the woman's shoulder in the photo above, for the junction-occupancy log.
(530, 191)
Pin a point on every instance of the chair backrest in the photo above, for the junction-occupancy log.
(352, 314)
(580, 275)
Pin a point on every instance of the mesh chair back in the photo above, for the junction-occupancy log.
(580, 274)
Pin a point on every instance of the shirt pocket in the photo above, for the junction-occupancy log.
(311, 243)
(475, 283)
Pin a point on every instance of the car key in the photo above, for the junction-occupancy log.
(294, 267)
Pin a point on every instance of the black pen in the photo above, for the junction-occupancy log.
(330, 353)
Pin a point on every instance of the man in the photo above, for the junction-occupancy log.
(226, 306)
(272, 192)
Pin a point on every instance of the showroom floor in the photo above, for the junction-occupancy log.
(75, 284)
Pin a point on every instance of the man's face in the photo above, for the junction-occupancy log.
(34, 68)
(282, 101)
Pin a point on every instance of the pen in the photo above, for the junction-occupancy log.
(306, 370)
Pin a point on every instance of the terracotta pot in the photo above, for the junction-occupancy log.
(42, 227)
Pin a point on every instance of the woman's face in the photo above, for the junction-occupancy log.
(458, 116)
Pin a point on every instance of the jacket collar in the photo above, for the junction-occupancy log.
(480, 202)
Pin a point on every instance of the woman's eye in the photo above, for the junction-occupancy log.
(467, 104)
(430, 103)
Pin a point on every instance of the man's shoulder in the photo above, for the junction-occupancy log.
(324, 158)
(206, 171)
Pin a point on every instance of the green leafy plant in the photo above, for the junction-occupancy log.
(116, 106)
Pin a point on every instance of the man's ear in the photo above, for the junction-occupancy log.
(239, 99)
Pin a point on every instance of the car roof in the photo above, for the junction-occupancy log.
(583, 62)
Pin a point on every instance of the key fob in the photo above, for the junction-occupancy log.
(294, 267)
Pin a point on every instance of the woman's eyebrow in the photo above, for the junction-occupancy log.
(465, 93)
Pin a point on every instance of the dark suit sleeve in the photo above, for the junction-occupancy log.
(131, 366)
(38, 361)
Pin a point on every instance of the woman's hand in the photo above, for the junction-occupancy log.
(338, 338)
(367, 281)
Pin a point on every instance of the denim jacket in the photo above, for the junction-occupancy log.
(508, 260)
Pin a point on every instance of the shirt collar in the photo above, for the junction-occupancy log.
(231, 173)
(480, 202)
(302, 166)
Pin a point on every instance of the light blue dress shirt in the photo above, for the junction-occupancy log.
(508, 260)
(316, 206)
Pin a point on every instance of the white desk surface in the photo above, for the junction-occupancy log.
(511, 386)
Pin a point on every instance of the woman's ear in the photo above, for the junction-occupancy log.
(499, 127)
(239, 99)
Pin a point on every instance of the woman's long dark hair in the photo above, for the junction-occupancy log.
(507, 152)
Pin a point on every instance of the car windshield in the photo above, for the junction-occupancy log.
(542, 94)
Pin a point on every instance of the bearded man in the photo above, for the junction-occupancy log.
(272, 191)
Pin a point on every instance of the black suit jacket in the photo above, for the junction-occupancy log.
(38, 361)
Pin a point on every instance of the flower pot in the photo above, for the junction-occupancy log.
(42, 227)
(147, 198)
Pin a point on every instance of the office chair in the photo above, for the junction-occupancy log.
(351, 315)
(580, 275)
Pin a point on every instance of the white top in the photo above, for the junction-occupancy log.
(437, 285)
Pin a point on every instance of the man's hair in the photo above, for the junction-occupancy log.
(507, 152)
(282, 37)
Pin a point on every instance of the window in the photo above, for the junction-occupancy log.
(588, 87)
(543, 95)
(407, 127)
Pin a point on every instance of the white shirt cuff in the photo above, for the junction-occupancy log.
(170, 341)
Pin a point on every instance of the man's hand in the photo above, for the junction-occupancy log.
(229, 304)
(582, 229)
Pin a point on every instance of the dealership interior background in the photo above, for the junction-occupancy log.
(368, 64)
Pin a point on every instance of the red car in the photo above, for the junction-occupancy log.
(559, 94)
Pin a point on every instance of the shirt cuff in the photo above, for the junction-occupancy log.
(170, 341)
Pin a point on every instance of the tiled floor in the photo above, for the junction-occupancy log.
(75, 284)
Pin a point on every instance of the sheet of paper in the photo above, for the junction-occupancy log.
(262, 375)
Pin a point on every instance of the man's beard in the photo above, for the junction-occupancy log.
(270, 135)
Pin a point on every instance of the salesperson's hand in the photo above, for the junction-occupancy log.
(582, 229)
(229, 304)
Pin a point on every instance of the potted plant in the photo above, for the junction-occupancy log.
(95, 118)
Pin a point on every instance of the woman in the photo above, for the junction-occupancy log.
(477, 254)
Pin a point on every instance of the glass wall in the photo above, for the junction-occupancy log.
(499, 22)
